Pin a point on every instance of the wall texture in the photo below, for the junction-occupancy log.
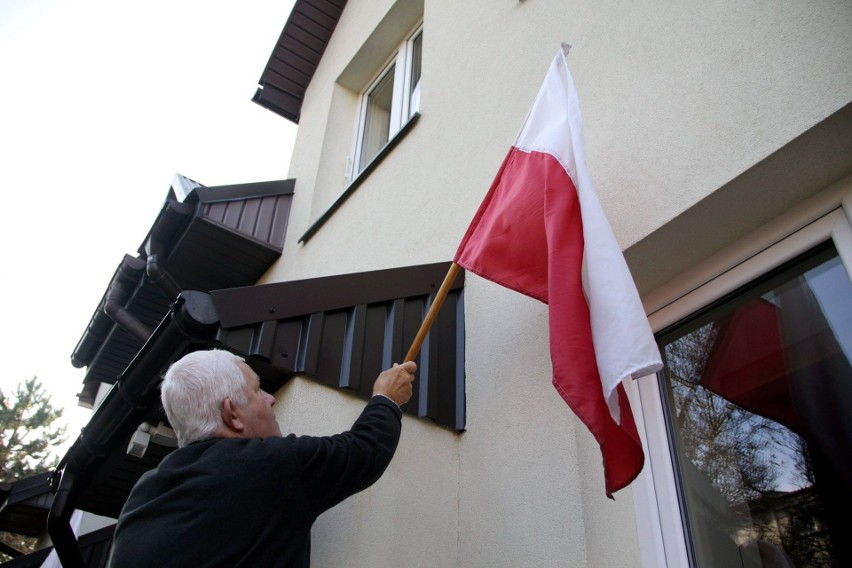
(679, 99)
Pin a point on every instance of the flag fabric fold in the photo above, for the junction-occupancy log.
(541, 231)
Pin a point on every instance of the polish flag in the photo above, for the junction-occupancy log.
(541, 231)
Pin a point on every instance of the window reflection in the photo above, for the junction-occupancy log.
(759, 395)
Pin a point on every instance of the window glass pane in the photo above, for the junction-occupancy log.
(759, 406)
(414, 87)
(377, 118)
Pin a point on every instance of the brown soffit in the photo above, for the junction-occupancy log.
(24, 505)
(297, 54)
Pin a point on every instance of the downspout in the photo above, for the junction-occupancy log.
(59, 521)
(117, 298)
(192, 319)
(170, 224)
(160, 277)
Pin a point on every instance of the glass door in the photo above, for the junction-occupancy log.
(757, 399)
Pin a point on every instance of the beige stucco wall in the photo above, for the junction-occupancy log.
(679, 99)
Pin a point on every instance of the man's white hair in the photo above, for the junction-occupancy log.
(194, 389)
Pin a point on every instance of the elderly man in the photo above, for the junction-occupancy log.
(237, 493)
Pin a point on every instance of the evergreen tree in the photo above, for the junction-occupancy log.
(28, 432)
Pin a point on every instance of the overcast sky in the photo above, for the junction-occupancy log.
(101, 103)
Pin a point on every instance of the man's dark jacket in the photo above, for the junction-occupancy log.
(250, 502)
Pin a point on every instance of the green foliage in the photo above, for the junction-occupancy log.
(28, 432)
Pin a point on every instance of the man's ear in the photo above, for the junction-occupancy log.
(231, 418)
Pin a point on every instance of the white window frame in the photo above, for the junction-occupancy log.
(827, 216)
(402, 108)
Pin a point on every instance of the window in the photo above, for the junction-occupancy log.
(748, 429)
(756, 395)
(389, 102)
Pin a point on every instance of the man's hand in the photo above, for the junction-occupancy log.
(395, 383)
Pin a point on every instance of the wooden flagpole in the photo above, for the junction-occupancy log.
(433, 311)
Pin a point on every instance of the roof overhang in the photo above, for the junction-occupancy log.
(340, 331)
(297, 54)
(25, 504)
(204, 238)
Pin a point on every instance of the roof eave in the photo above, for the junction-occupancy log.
(296, 56)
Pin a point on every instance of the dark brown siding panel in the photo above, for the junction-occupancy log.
(240, 339)
(444, 370)
(353, 348)
(233, 214)
(264, 341)
(248, 221)
(393, 339)
(349, 346)
(412, 318)
(288, 338)
(373, 355)
(280, 220)
(373, 351)
(263, 217)
(430, 372)
(331, 348)
(310, 345)
(252, 217)
(215, 211)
